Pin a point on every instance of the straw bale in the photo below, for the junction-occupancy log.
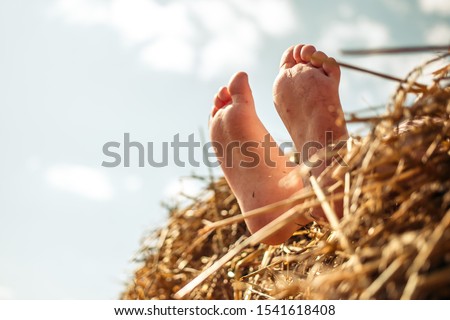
(392, 243)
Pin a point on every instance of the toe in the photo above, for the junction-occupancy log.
(221, 100)
(214, 111)
(318, 58)
(239, 89)
(307, 52)
(331, 68)
(297, 53)
(287, 59)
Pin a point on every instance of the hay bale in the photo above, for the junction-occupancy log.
(392, 243)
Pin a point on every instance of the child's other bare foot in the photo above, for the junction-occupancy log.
(306, 96)
(252, 167)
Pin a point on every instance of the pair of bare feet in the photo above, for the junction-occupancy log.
(306, 97)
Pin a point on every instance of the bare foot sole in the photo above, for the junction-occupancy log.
(306, 96)
(250, 159)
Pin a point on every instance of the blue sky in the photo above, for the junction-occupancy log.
(75, 74)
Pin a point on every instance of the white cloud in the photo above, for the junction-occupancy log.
(84, 181)
(439, 34)
(230, 52)
(82, 12)
(274, 17)
(173, 36)
(362, 33)
(441, 7)
(233, 40)
(142, 20)
(169, 54)
(214, 16)
(177, 188)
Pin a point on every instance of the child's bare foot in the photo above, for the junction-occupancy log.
(306, 96)
(251, 161)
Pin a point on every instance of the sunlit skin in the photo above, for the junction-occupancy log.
(306, 97)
